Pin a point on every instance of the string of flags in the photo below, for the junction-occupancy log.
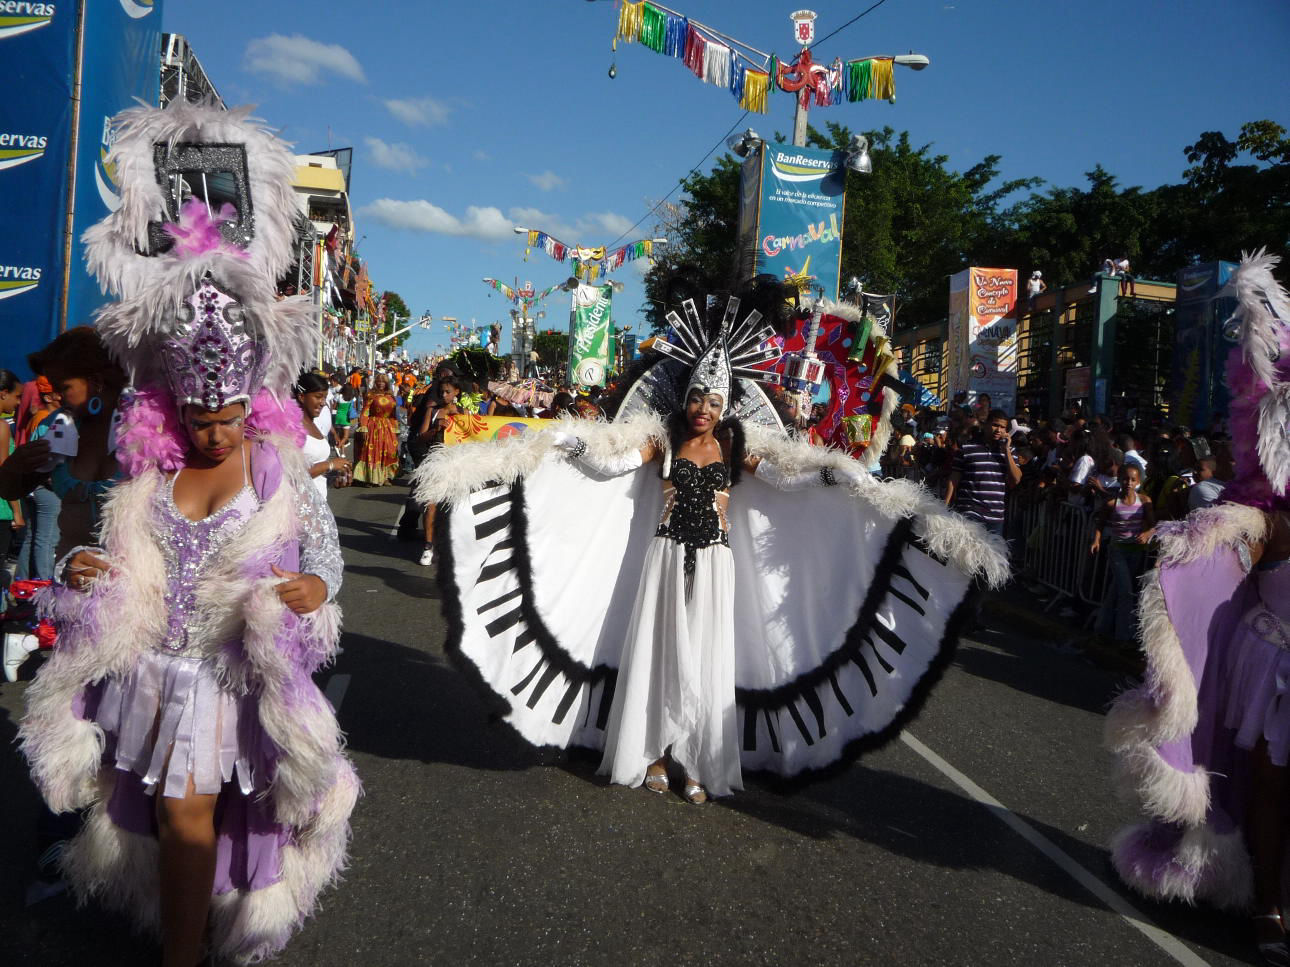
(711, 61)
(588, 263)
(517, 297)
(715, 62)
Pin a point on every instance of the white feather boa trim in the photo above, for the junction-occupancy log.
(451, 474)
(1165, 707)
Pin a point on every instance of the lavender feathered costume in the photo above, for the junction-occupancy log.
(187, 629)
(1216, 635)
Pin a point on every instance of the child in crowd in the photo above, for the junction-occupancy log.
(1128, 522)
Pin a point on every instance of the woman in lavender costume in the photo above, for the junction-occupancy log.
(1205, 740)
(179, 705)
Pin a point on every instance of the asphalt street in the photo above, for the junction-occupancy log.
(979, 838)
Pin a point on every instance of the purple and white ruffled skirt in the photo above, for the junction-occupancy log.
(1258, 684)
(171, 719)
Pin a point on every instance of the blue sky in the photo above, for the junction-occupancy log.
(467, 118)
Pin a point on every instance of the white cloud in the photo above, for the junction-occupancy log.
(547, 180)
(423, 216)
(394, 156)
(424, 111)
(488, 222)
(299, 60)
(481, 155)
(610, 223)
(594, 228)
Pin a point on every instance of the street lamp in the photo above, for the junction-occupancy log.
(744, 144)
(858, 155)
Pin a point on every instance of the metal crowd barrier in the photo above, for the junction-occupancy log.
(1051, 541)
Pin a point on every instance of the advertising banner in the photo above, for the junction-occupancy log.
(958, 374)
(589, 347)
(1197, 389)
(471, 428)
(121, 62)
(983, 335)
(37, 43)
(791, 209)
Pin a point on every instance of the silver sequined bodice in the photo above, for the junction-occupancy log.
(189, 548)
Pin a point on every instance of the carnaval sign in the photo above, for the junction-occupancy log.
(472, 428)
(589, 335)
(791, 204)
(983, 335)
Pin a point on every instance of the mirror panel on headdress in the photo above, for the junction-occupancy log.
(215, 174)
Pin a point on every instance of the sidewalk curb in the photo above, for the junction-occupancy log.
(1038, 624)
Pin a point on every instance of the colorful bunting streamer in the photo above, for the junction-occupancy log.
(710, 60)
(588, 263)
(719, 64)
(516, 297)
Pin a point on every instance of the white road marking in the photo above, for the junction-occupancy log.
(1162, 939)
(335, 691)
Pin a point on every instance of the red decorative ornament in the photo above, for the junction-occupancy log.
(803, 77)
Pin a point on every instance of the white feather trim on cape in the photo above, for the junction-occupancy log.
(453, 473)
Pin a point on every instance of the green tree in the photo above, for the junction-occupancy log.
(914, 220)
(907, 226)
(395, 310)
(552, 348)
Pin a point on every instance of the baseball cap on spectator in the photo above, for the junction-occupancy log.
(907, 441)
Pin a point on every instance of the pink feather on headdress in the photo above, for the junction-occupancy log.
(198, 233)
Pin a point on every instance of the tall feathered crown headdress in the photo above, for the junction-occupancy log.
(712, 365)
(204, 231)
(1258, 377)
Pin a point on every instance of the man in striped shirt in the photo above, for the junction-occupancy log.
(982, 472)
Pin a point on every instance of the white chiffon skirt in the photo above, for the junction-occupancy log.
(676, 683)
(170, 719)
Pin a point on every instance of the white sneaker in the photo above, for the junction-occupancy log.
(427, 556)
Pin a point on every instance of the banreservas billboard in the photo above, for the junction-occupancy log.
(791, 212)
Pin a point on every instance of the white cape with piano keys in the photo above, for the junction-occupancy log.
(847, 598)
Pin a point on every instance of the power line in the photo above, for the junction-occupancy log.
(849, 22)
(693, 170)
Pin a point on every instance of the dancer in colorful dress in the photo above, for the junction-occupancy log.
(781, 624)
(179, 705)
(378, 463)
(1205, 740)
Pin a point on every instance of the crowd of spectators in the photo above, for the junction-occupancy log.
(1122, 476)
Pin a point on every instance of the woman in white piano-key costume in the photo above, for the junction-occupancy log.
(780, 627)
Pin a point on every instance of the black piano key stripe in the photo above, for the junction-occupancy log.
(543, 684)
(570, 693)
(524, 682)
(491, 502)
(505, 622)
(496, 569)
(492, 525)
(510, 595)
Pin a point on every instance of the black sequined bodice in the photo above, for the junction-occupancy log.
(692, 517)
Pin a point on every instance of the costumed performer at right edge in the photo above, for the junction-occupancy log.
(1204, 742)
(782, 625)
(178, 705)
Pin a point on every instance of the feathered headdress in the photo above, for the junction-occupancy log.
(1258, 377)
(722, 356)
(194, 253)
